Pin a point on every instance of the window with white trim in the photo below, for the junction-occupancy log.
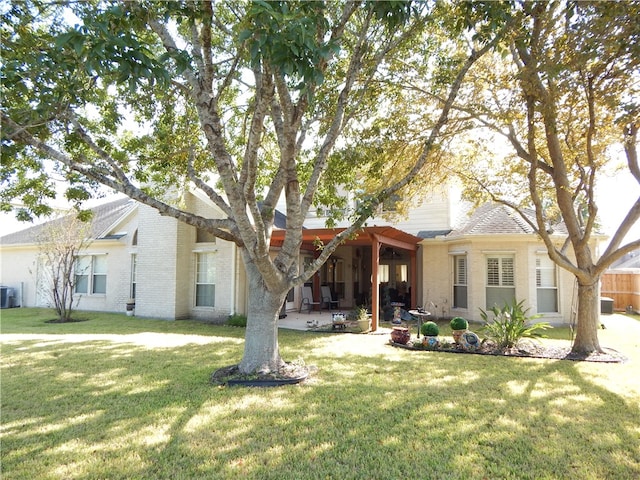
(134, 267)
(91, 274)
(501, 287)
(546, 285)
(205, 279)
(460, 281)
(383, 273)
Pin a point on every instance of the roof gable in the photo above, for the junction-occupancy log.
(105, 218)
(498, 219)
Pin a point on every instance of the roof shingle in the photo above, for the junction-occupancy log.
(104, 216)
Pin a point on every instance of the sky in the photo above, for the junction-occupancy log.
(615, 197)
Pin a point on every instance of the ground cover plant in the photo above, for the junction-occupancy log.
(123, 397)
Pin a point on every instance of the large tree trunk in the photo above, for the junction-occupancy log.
(261, 351)
(586, 340)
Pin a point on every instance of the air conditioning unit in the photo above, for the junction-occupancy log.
(6, 297)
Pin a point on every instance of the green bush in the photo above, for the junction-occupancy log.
(429, 329)
(459, 323)
(358, 313)
(510, 324)
(237, 320)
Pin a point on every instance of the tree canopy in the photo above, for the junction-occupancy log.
(245, 101)
(563, 96)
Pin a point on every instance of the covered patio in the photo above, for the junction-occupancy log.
(376, 257)
(321, 321)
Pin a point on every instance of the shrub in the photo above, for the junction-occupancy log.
(510, 324)
(237, 320)
(358, 313)
(429, 329)
(459, 323)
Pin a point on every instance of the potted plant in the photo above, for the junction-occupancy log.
(458, 326)
(362, 318)
(430, 331)
(400, 335)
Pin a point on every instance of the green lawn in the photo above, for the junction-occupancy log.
(120, 397)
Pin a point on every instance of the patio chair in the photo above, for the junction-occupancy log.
(327, 298)
(307, 299)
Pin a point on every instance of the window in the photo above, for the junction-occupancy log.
(134, 264)
(383, 273)
(391, 204)
(402, 273)
(204, 236)
(546, 286)
(335, 276)
(205, 279)
(460, 281)
(91, 274)
(500, 280)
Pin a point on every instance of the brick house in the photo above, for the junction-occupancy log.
(438, 257)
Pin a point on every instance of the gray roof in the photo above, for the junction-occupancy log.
(279, 218)
(432, 233)
(498, 219)
(104, 216)
(630, 260)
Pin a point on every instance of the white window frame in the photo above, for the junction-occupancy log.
(210, 279)
(545, 264)
(91, 272)
(460, 280)
(134, 273)
(505, 280)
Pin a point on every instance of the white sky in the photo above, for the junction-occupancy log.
(614, 198)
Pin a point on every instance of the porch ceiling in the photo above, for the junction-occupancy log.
(387, 235)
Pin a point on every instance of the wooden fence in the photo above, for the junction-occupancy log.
(623, 287)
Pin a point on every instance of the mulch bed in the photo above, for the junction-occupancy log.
(288, 374)
(71, 320)
(528, 350)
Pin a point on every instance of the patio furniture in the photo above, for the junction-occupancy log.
(327, 298)
(307, 299)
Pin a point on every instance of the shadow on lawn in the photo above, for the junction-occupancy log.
(111, 410)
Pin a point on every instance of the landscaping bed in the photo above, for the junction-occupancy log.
(524, 349)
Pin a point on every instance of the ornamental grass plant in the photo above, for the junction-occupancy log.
(510, 323)
(122, 397)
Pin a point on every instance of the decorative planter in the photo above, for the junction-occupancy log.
(130, 307)
(364, 324)
(469, 341)
(400, 335)
(430, 341)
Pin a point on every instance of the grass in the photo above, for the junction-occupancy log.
(126, 398)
